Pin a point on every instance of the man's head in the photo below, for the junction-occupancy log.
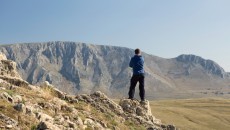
(137, 51)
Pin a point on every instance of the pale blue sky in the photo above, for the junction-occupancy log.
(165, 28)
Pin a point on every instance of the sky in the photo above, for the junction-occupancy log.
(165, 28)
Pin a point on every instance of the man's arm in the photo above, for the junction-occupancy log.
(143, 60)
(131, 63)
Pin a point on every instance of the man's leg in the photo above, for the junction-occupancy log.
(133, 83)
(142, 87)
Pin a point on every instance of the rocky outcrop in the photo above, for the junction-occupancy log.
(101, 102)
(141, 110)
(8, 71)
(8, 67)
(133, 110)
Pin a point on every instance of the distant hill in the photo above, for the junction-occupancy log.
(85, 68)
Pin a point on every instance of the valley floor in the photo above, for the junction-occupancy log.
(194, 114)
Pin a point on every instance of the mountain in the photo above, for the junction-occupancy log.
(28, 107)
(85, 68)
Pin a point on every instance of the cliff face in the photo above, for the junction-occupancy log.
(85, 68)
(208, 65)
(79, 67)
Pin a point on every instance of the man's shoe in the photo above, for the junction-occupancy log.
(142, 102)
(130, 98)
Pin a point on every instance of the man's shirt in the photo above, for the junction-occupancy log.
(137, 63)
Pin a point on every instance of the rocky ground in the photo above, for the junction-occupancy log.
(24, 106)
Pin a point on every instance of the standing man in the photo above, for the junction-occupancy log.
(137, 63)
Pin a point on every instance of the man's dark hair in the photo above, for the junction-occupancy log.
(137, 51)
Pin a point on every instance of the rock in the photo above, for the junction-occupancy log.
(6, 96)
(133, 106)
(2, 88)
(46, 122)
(60, 119)
(84, 127)
(66, 118)
(43, 126)
(7, 120)
(55, 91)
(156, 121)
(17, 99)
(20, 107)
(46, 84)
(114, 128)
(59, 93)
(152, 128)
(99, 94)
(163, 126)
(79, 121)
(29, 110)
(71, 99)
(8, 69)
(9, 126)
(71, 124)
(103, 124)
(47, 125)
(140, 111)
(147, 107)
(44, 117)
(86, 98)
(101, 102)
(128, 105)
(15, 81)
(88, 121)
(2, 56)
(46, 105)
(171, 127)
(66, 108)
(93, 123)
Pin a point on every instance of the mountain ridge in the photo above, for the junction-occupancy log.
(210, 65)
(105, 68)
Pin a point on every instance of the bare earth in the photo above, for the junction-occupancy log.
(194, 114)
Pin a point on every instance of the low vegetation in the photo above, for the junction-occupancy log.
(194, 114)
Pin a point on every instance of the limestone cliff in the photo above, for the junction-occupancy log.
(85, 68)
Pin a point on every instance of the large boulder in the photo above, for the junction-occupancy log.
(142, 110)
(135, 107)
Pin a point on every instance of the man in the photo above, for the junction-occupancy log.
(137, 63)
